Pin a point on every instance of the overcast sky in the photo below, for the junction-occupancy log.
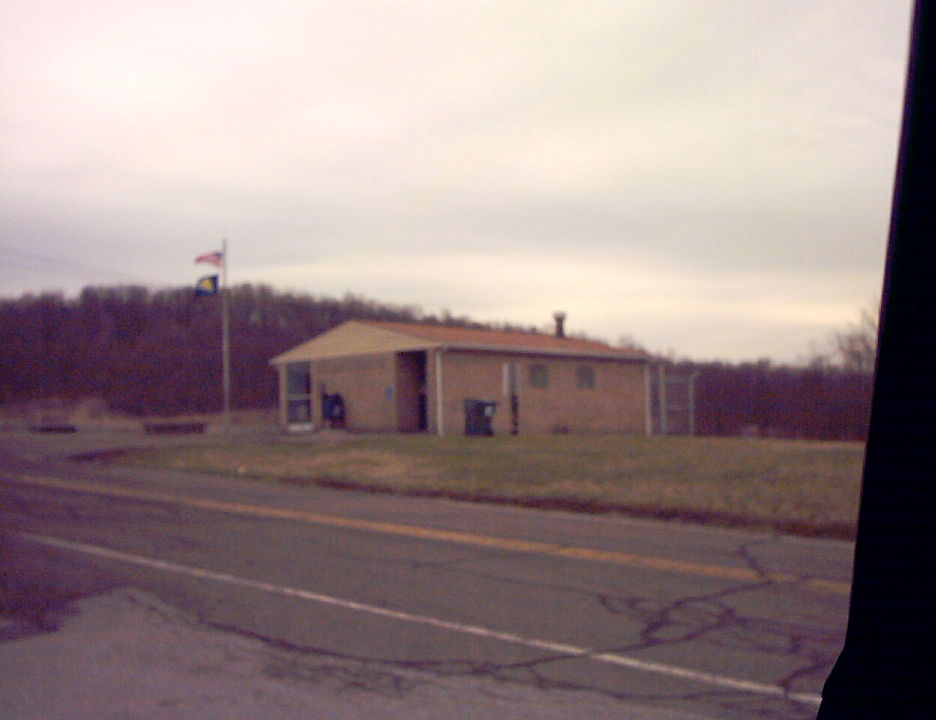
(710, 177)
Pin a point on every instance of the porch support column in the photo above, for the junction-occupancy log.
(440, 425)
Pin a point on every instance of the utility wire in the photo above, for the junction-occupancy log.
(70, 264)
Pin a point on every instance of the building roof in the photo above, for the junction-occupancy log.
(362, 337)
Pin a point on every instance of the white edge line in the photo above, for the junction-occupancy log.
(475, 630)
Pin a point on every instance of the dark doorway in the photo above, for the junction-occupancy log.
(413, 400)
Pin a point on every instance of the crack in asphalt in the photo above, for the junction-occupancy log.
(709, 618)
(706, 617)
(393, 678)
(306, 662)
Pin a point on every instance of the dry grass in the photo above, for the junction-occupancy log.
(800, 487)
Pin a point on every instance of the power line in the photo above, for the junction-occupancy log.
(69, 264)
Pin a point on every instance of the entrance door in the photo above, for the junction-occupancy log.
(412, 395)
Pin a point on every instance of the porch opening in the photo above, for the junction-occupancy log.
(412, 395)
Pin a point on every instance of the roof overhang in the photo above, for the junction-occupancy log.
(426, 346)
(551, 352)
(355, 339)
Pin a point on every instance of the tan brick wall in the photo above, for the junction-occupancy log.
(616, 404)
(367, 384)
(379, 393)
(472, 375)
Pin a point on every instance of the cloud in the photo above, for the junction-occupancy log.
(628, 295)
(664, 161)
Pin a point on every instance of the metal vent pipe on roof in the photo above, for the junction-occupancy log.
(560, 323)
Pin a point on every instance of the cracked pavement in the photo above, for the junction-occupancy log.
(628, 627)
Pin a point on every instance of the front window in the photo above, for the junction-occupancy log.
(297, 379)
(539, 375)
(585, 377)
(299, 411)
(298, 393)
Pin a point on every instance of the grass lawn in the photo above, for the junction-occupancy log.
(798, 487)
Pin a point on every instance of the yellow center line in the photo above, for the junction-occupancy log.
(647, 562)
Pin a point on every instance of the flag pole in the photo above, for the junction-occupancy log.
(225, 339)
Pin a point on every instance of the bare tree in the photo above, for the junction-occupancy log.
(852, 348)
(856, 346)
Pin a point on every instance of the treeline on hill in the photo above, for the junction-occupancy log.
(157, 352)
(147, 352)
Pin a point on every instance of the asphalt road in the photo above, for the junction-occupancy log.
(707, 622)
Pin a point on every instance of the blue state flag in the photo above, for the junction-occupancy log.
(207, 285)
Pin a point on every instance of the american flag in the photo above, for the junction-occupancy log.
(212, 258)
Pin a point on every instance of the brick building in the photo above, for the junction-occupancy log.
(399, 377)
